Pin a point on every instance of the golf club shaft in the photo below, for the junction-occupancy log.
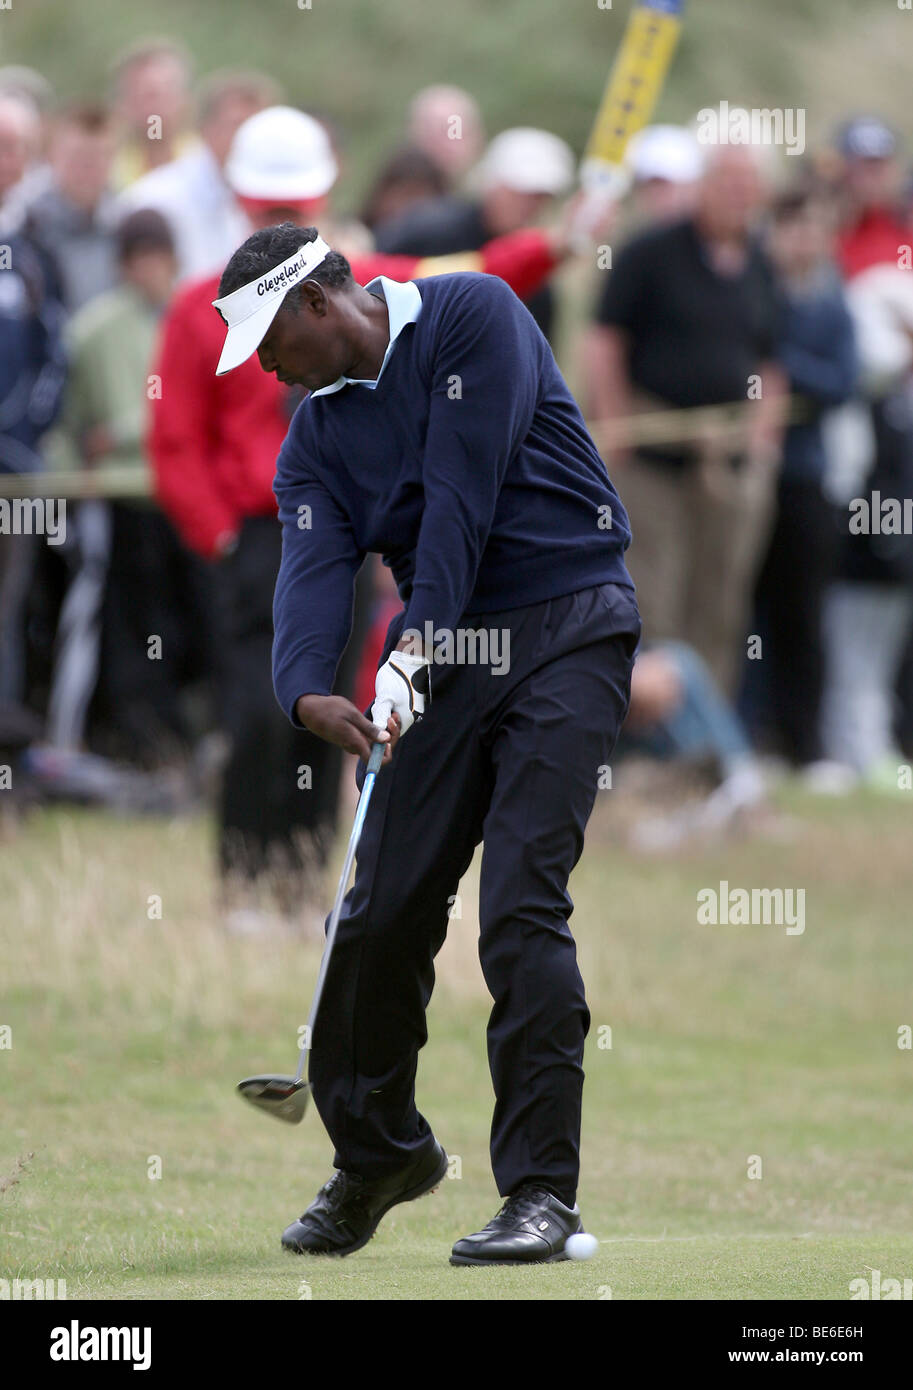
(374, 762)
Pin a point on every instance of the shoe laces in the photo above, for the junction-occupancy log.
(339, 1190)
(344, 1187)
(520, 1204)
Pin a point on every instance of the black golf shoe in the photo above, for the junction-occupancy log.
(347, 1210)
(532, 1227)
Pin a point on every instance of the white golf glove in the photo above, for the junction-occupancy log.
(403, 687)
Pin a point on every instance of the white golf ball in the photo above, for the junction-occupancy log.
(582, 1246)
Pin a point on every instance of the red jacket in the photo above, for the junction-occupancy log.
(213, 441)
(875, 238)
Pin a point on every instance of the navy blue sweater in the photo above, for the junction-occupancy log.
(468, 468)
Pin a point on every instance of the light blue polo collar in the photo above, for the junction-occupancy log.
(404, 305)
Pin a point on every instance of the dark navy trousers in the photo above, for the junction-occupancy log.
(512, 760)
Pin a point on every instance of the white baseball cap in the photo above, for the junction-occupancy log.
(249, 310)
(668, 152)
(281, 153)
(529, 161)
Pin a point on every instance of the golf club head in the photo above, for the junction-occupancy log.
(281, 1096)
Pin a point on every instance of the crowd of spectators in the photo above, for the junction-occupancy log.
(746, 364)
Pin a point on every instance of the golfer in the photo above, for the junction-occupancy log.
(440, 434)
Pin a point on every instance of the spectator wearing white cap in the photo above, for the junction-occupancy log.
(665, 163)
(521, 174)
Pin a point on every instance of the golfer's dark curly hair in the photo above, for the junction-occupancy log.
(264, 250)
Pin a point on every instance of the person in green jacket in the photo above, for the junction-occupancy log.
(135, 623)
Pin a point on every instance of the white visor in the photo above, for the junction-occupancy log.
(250, 310)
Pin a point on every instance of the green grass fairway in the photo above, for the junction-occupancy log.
(728, 1042)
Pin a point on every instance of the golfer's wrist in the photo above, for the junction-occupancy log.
(306, 707)
(412, 646)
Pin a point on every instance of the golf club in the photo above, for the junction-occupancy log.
(286, 1097)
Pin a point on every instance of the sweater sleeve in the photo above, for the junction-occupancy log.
(485, 384)
(314, 597)
(524, 260)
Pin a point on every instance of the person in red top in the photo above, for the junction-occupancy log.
(213, 443)
(876, 226)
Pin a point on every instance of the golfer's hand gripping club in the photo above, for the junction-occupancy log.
(402, 687)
